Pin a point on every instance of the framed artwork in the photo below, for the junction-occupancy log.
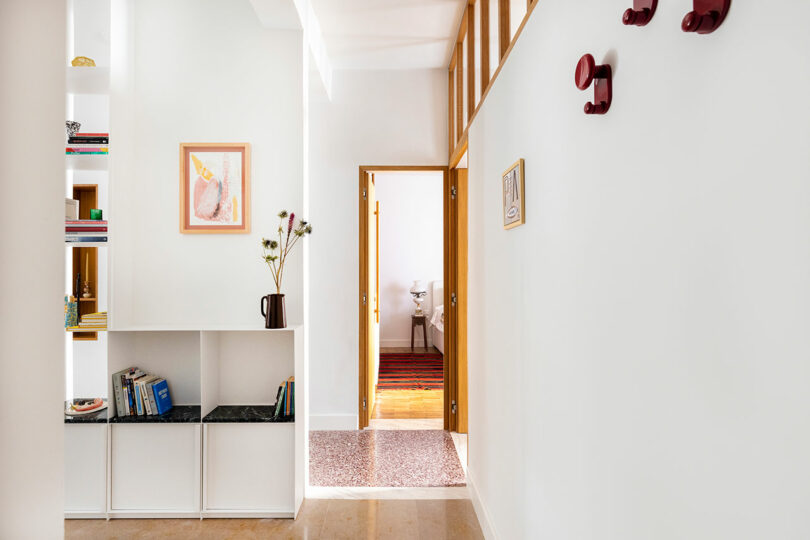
(513, 204)
(214, 188)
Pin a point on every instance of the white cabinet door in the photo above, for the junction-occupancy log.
(85, 469)
(250, 467)
(156, 467)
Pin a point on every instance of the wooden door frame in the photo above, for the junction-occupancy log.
(364, 413)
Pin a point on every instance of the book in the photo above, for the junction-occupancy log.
(288, 400)
(88, 140)
(145, 384)
(150, 392)
(118, 391)
(162, 397)
(103, 228)
(79, 239)
(126, 400)
(279, 401)
(88, 134)
(79, 222)
(146, 408)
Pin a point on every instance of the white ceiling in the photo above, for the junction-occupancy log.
(389, 34)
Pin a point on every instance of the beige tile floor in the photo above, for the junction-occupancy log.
(319, 519)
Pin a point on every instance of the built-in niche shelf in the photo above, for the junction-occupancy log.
(87, 80)
(221, 451)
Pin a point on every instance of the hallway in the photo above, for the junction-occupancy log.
(320, 519)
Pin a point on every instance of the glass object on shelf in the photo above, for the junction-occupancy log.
(83, 61)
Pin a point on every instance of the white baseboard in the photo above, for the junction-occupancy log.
(480, 512)
(333, 422)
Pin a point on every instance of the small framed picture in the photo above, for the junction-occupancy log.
(214, 188)
(513, 204)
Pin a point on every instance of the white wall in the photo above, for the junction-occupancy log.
(411, 247)
(648, 325)
(200, 71)
(374, 118)
(32, 109)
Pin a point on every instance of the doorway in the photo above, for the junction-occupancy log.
(436, 392)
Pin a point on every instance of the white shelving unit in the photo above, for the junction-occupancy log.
(202, 464)
(87, 441)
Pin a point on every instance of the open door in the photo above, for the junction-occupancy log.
(370, 297)
(455, 301)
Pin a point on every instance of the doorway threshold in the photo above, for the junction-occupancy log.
(381, 493)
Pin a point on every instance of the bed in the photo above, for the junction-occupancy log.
(437, 317)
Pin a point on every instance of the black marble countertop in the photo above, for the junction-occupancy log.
(99, 417)
(244, 414)
(179, 414)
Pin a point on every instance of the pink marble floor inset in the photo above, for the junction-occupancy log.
(384, 458)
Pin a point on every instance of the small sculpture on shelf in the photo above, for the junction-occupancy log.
(86, 290)
(83, 61)
(72, 127)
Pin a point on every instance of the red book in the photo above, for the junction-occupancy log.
(85, 229)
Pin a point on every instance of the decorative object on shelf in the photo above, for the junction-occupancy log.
(71, 311)
(641, 12)
(513, 195)
(214, 188)
(86, 290)
(83, 61)
(586, 72)
(418, 293)
(288, 235)
(274, 311)
(84, 406)
(71, 209)
(96, 214)
(706, 16)
(72, 128)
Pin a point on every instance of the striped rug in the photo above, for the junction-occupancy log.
(400, 371)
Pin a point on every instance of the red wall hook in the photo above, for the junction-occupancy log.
(586, 72)
(706, 16)
(641, 12)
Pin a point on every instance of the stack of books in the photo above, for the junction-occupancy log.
(88, 143)
(91, 322)
(285, 399)
(138, 393)
(86, 230)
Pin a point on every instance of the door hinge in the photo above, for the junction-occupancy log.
(452, 299)
(364, 404)
(364, 299)
(453, 192)
(453, 406)
(364, 194)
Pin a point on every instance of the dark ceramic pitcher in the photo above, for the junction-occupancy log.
(274, 311)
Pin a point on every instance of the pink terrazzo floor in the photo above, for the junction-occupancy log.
(384, 458)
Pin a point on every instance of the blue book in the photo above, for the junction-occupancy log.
(163, 399)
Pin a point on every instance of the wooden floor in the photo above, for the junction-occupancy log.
(319, 519)
(400, 404)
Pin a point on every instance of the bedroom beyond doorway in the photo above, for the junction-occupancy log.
(408, 300)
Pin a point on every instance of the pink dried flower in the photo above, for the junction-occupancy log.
(290, 224)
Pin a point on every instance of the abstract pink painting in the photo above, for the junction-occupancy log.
(215, 188)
